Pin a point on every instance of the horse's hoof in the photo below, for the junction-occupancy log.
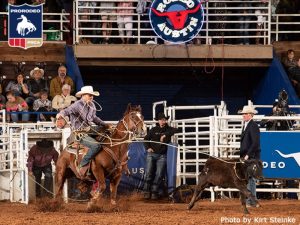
(246, 212)
(113, 202)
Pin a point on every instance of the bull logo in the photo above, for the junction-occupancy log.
(176, 21)
(295, 155)
(25, 25)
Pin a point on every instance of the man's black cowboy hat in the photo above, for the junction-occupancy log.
(160, 116)
(45, 144)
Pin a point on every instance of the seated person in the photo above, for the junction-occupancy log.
(16, 104)
(58, 81)
(2, 98)
(289, 61)
(294, 75)
(35, 85)
(18, 87)
(43, 104)
(63, 100)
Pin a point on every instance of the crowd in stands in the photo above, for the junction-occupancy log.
(19, 97)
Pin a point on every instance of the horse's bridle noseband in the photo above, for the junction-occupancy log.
(139, 115)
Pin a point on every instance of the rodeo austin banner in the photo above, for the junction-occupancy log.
(25, 26)
(176, 21)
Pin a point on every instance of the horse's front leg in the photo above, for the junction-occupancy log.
(60, 177)
(114, 183)
(99, 175)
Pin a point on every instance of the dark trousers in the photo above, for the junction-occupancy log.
(155, 172)
(37, 172)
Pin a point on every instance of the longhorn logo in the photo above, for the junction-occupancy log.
(176, 21)
(295, 155)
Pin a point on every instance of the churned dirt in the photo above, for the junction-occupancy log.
(134, 210)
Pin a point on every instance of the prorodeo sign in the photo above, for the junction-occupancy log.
(25, 26)
(176, 21)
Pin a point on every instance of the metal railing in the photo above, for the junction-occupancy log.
(225, 21)
(284, 25)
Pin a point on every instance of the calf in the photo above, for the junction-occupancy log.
(231, 173)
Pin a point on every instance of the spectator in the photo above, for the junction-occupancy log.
(124, 20)
(220, 17)
(35, 85)
(289, 61)
(67, 5)
(12, 2)
(63, 100)
(261, 19)
(39, 161)
(294, 75)
(16, 104)
(107, 16)
(85, 8)
(156, 156)
(43, 104)
(18, 87)
(244, 25)
(250, 147)
(2, 98)
(58, 81)
(38, 2)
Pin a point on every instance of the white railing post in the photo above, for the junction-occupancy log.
(76, 18)
(269, 22)
(206, 17)
(139, 29)
(277, 27)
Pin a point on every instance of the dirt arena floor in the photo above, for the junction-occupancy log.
(134, 210)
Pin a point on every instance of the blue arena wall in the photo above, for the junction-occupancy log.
(73, 68)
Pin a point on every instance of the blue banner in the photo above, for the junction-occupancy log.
(137, 167)
(280, 153)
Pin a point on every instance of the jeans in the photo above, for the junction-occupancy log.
(244, 24)
(15, 116)
(155, 172)
(30, 100)
(94, 147)
(251, 186)
(37, 172)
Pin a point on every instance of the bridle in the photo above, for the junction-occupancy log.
(136, 123)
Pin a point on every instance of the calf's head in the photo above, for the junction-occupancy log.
(254, 168)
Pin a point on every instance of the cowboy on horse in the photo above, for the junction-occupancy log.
(82, 115)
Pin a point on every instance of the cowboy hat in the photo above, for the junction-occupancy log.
(87, 90)
(247, 109)
(160, 116)
(45, 145)
(36, 69)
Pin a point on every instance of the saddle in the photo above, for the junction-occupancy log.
(78, 151)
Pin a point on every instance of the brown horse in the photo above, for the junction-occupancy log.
(108, 163)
